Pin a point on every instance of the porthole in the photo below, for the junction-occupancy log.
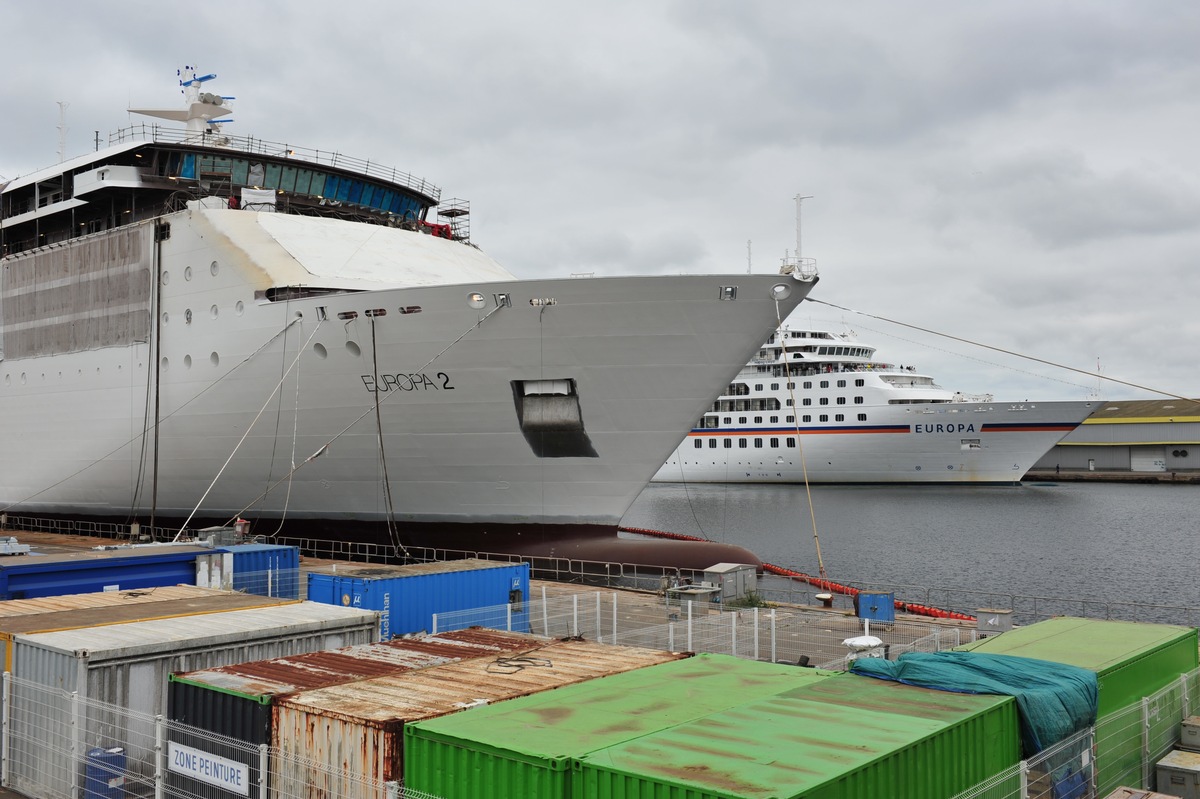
(214, 359)
(187, 316)
(212, 312)
(165, 364)
(166, 317)
(353, 349)
(320, 351)
(187, 273)
(213, 268)
(166, 277)
(187, 362)
(240, 308)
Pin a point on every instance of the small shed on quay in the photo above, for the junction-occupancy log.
(1131, 436)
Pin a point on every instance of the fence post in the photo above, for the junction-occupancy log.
(599, 620)
(264, 766)
(755, 655)
(574, 614)
(545, 614)
(689, 636)
(393, 789)
(774, 654)
(614, 624)
(76, 743)
(1185, 706)
(733, 623)
(435, 620)
(160, 755)
(1146, 776)
(670, 636)
(1024, 779)
(4, 729)
(508, 617)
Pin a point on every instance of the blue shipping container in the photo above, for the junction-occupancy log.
(409, 596)
(30, 576)
(266, 569)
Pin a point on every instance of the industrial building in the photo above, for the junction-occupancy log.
(1131, 436)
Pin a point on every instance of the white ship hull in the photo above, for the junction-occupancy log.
(815, 406)
(246, 388)
(979, 443)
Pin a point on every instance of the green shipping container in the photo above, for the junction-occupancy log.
(1131, 661)
(524, 747)
(845, 737)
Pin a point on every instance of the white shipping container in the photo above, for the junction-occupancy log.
(127, 666)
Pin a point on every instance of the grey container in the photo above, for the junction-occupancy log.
(128, 666)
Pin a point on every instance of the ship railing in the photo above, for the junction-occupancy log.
(248, 144)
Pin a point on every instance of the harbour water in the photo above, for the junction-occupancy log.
(1107, 543)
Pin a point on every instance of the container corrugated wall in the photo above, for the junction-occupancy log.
(1131, 661)
(235, 701)
(409, 596)
(99, 570)
(525, 746)
(267, 569)
(173, 604)
(804, 745)
(359, 726)
(128, 665)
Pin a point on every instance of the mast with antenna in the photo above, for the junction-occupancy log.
(62, 130)
(798, 263)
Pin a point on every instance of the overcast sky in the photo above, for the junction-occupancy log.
(1024, 174)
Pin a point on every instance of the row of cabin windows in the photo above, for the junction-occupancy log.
(711, 423)
(771, 404)
(743, 389)
(743, 443)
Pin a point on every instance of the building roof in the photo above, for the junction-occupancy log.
(1146, 411)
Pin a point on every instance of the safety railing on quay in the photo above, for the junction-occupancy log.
(777, 634)
(1024, 609)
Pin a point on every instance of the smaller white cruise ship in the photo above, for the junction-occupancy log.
(817, 406)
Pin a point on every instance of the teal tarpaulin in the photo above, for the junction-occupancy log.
(1054, 699)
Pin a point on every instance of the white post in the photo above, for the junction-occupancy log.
(689, 636)
(264, 770)
(508, 617)
(4, 729)
(545, 614)
(435, 626)
(614, 624)
(774, 653)
(733, 622)
(1024, 779)
(599, 619)
(76, 743)
(670, 636)
(574, 614)
(160, 756)
(755, 656)
(1147, 766)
